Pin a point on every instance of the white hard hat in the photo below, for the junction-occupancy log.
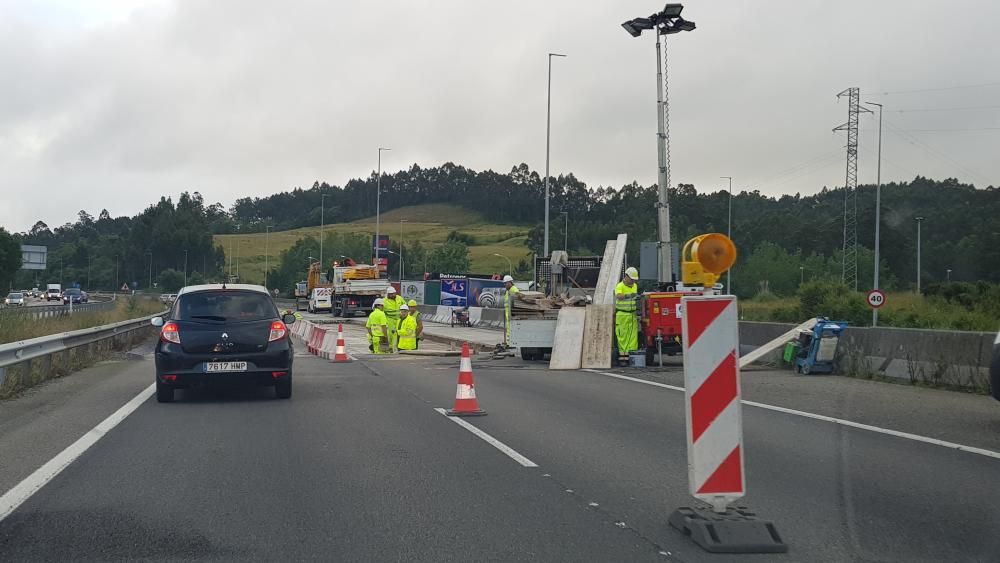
(632, 273)
(404, 307)
(391, 290)
(377, 302)
(508, 279)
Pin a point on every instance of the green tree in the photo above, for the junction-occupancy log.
(171, 280)
(10, 258)
(450, 257)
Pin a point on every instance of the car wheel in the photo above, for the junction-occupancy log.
(164, 393)
(283, 388)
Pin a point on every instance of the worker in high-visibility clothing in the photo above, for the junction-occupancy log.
(415, 313)
(626, 323)
(378, 333)
(391, 305)
(508, 301)
(407, 329)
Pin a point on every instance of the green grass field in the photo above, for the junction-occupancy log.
(430, 224)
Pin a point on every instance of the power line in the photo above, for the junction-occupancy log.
(952, 130)
(944, 109)
(963, 87)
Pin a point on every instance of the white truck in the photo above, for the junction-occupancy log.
(351, 296)
(320, 300)
(53, 292)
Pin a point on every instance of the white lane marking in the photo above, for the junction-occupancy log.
(34, 482)
(489, 440)
(841, 421)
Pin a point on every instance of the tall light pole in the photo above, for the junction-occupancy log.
(565, 215)
(400, 256)
(919, 221)
(185, 268)
(150, 253)
(401, 221)
(267, 251)
(729, 232)
(802, 275)
(948, 272)
(322, 225)
(878, 209)
(510, 267)
(548, 135)
(666, 22)
(116, 272)
(378, 203)
(237, 258)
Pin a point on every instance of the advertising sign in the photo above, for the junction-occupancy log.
(486, 293)
(33, 257)
(381, 242)
(454, 293)
(413, 290)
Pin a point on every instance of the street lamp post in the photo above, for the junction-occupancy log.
(729, 232)
(548, 135)
(802, 275)
(510, 267)
(400, 256)
(401, 221)
(948, 272)
(565, 215)
(267, 251)
(666, 22)
(919, 221)
(116, 272)
(878, 209)
(378, 202)
(150, 253)
(322, 225)
(185, 268)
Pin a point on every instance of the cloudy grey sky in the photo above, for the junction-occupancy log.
(110, 103)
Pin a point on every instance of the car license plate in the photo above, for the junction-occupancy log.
(225, 366)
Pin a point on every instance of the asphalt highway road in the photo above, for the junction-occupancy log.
(358, 466)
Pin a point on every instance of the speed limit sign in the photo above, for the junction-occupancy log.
(876, 299)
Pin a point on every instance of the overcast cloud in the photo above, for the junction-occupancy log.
(109, 104)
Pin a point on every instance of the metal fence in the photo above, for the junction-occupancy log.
(48, 311)
(29, 362)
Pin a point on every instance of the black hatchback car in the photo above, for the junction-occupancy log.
(223, 334)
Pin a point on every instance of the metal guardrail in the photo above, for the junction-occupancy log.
(15, 353)
(49, 311)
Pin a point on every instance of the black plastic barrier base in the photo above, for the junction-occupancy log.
(735, 531)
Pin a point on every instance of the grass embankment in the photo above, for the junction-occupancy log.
(22, 327)
(902, 310)
(430, 224)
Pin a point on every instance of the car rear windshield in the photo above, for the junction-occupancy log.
(72, 292)
(14, 296)
(224, 306)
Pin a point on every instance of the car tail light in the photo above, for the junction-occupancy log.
(277, 374)
(169, 378)
(278, 331)
(170, 333)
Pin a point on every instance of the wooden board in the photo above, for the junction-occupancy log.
(567, 344)
(775, 344)
(610, 272)
(598, 332)
(604, 276)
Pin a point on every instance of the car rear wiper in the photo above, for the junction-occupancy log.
(209, 317)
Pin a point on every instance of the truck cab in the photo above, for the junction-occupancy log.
(53, 292)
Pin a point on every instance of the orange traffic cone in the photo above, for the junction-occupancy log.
(341, 354)
(465, 395)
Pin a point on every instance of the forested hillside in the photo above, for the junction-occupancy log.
(775, 236)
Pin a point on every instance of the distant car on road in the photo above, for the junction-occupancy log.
(168, 298)
(217, 334)
(74, 295)
(14, 300)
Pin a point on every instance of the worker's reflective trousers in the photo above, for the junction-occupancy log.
(626, 332)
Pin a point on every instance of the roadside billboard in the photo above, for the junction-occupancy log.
(454, 292)
(485, 293)
(33, 257)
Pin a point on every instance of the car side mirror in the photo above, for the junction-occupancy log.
(156, 321)
(289, 318)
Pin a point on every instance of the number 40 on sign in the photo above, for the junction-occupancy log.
(876, 299)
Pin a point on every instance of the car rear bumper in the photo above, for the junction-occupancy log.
(189, 369)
